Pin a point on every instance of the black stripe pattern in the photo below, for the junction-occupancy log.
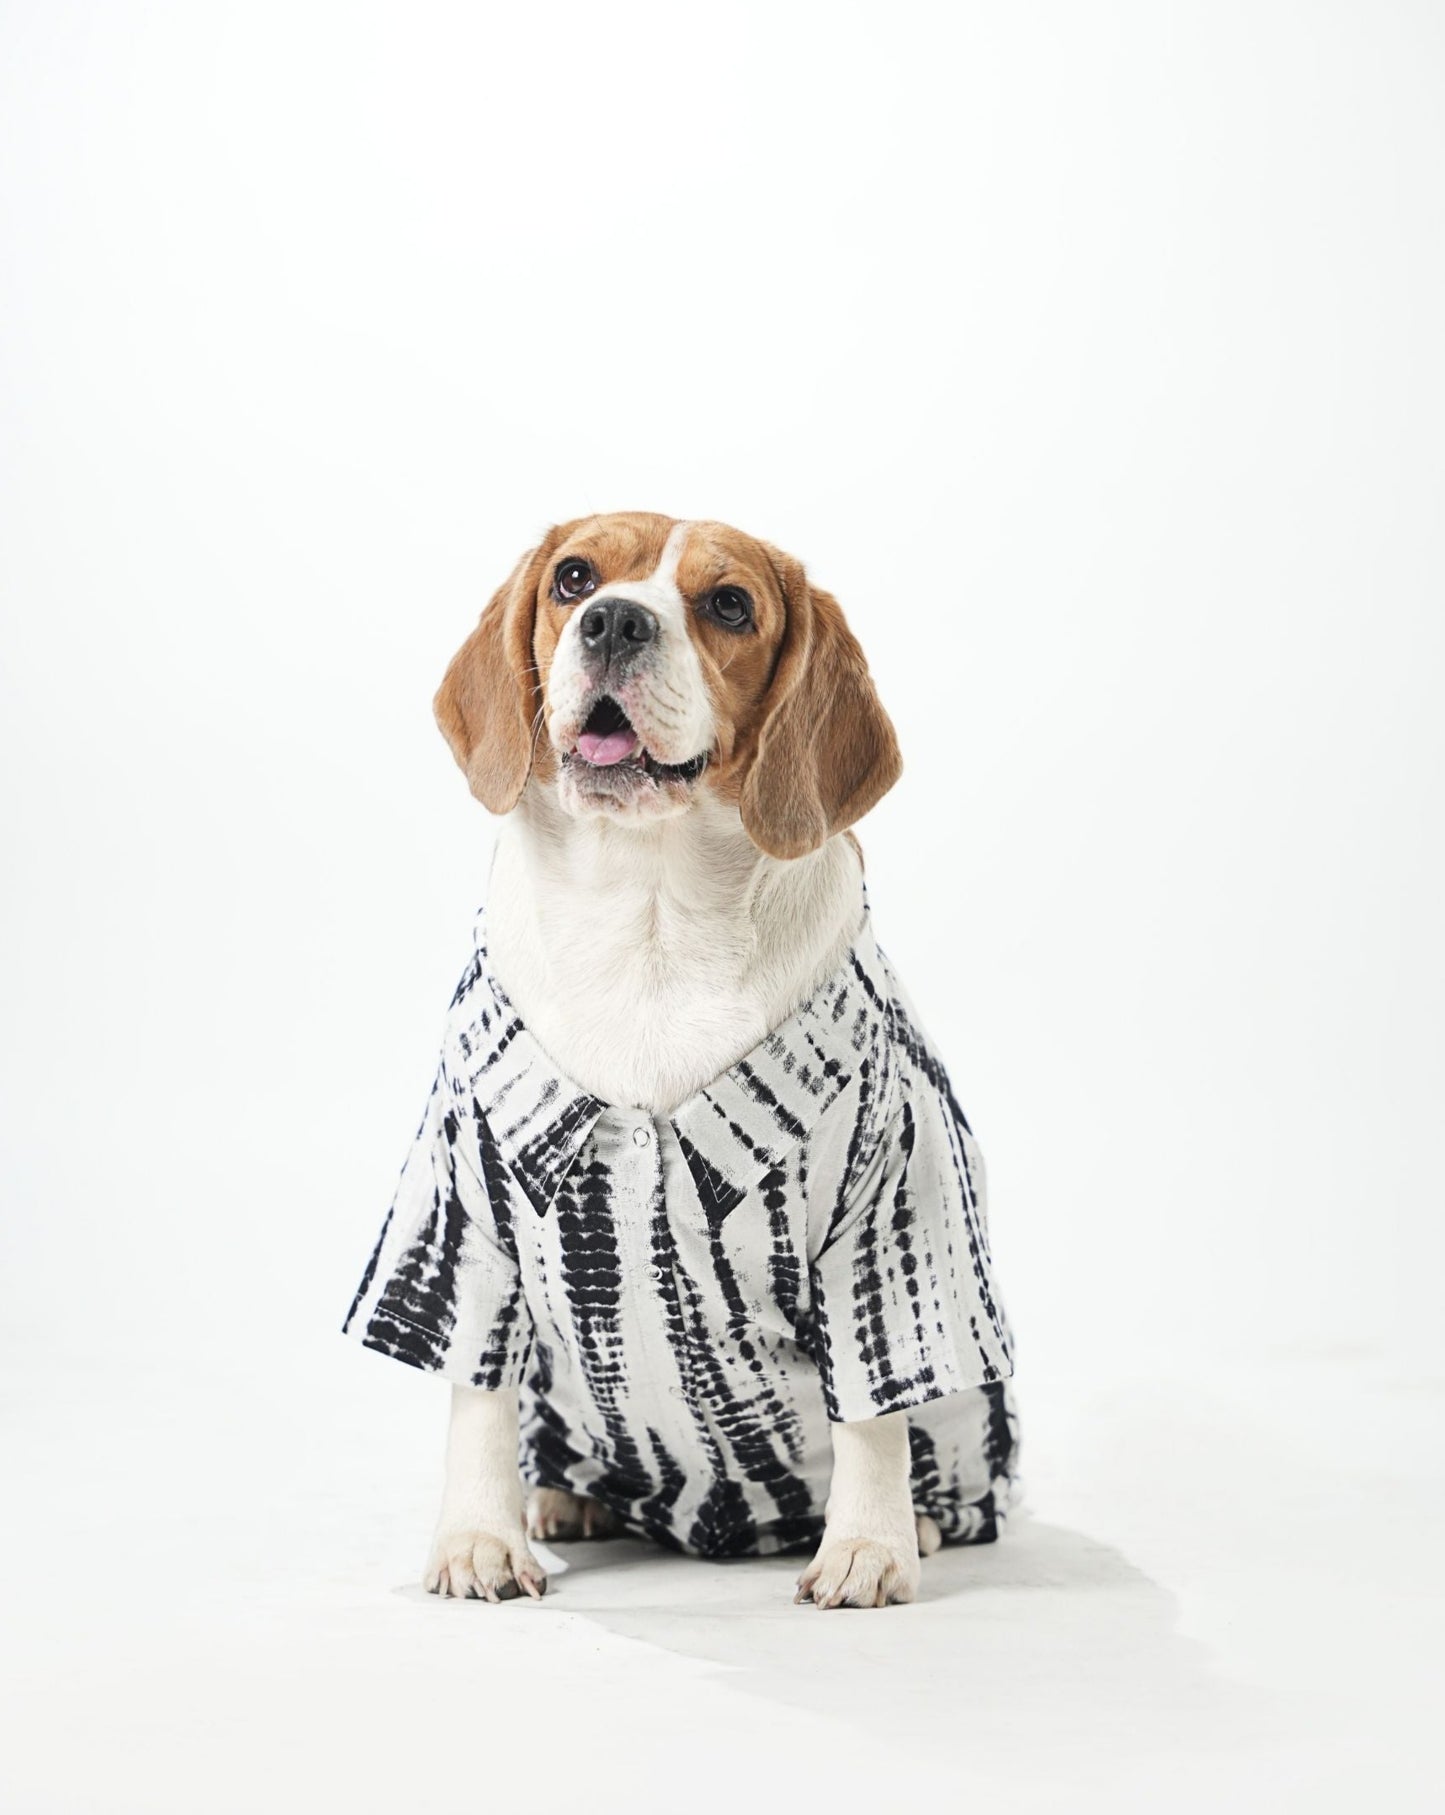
(686, 1302)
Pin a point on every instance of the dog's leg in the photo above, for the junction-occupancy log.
(869, 1553)
(480, 1549)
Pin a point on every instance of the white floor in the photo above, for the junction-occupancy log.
(1225, 1597)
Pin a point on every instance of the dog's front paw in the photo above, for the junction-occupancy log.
(473, 1565)
(860, 1572)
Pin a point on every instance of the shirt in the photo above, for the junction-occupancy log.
(686, 1301)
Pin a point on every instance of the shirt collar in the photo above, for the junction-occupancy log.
(735, 1128)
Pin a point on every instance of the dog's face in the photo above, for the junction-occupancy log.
(631, 662)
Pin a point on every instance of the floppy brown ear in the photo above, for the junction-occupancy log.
(487, 703)
(826, 751)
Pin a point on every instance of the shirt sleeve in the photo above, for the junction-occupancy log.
(905, 1309)
(442, 1290)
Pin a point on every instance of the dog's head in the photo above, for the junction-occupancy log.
(631, 661)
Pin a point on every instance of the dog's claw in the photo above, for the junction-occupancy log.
(475, 1566)
(859, 1572)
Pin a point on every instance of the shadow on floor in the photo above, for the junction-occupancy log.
(1045, 1618)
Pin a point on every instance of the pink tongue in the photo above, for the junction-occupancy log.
(615, 747)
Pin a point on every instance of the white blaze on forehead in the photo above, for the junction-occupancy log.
(666, 574)
(659, 590)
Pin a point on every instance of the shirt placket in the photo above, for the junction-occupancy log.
(657, 1312)
(625, 1141)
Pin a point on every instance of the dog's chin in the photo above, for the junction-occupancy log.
(636, 789)
(607, 767)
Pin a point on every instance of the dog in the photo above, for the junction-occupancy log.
(693, 1223)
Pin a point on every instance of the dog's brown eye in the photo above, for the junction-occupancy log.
(572, 580)
(730, 605)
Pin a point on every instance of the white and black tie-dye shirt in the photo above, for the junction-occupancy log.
(686, 1300)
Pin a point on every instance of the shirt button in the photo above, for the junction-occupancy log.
(641, 1136)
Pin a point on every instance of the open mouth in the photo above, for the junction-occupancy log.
(608, 741)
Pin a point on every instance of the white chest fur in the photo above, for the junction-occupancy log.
(647, 959)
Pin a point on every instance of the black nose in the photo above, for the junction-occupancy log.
(614, 629)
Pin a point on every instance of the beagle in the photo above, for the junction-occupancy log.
(693, 1223)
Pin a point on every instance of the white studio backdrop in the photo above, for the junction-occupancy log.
(1092, 355)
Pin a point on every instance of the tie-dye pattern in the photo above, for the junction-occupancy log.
(686, 1301)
